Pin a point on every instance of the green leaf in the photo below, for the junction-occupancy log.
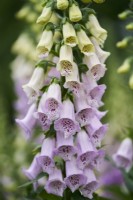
(82, 68)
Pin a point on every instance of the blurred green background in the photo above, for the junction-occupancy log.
(14, 150)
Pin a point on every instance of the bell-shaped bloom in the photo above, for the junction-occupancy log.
(55, 184)
(98, 161)
(41, 113)
(75, 14)
(69, 34)
(45, 44)
(53, 101)
(45, 15)
(72, 81)
(124, 156)
(102, 55)
(83, 111)
(74, 176)
(84, 43)
(67, 123)
(62, 4)
(28, 122)
(98, 92)
(86, 150)
(32, 88)
(45, 160)
(64, 146)
(53, 73)
(96, 68)
(33, 171)
(91, 185)
(89, 81)
(96, 30)
(96, 130)
(65, 64)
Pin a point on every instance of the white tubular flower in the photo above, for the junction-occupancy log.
(72, 81)
(62, 4)
(69, 34)
(45, 15)
(96, 30)
(102, 55)
(45, 44)
(84, 43)
(32, 89)
(75, 14)
(65, 64)
(96, 68)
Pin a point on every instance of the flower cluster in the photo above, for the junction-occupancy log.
(64, 98)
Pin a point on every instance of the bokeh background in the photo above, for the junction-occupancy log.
(15, 151)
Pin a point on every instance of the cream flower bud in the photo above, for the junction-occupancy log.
(131, 81)
(125, 42)
(69, 34)
(45, 44)
(129, 26)
(75, 14)
(45, 15)
(96, 30)
(62, 4)
(84, 43)
(99, 1)
(32, 88)
(65, 64)
(125, 67)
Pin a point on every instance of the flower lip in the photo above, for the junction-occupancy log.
(46, 163)
(65, 151)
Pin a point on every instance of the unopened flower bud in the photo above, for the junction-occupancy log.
(75, 14)
(125, 67)
(125, 14)
(129, 26)
(45, 15)
(125, 42)
(62, 4)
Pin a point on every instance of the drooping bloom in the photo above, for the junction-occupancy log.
(72, 81)
(84, 43)
(32, 88)
(98, 162)
(86, 150)
(96, 30)
(55, 184)
(91, 185)
(69, 35)
(124, 156)
(96, 68)
(45, 15)
(65, 64)
(102, 55)
(74, 176)
(45, 160)
(53, 101)
(41, 113)
(75, 14)
(28, 122)
(62, 4)
(45, 44)
(67, 123)
(64, 146)
(96, 130)
(33, 171)
(83, 111)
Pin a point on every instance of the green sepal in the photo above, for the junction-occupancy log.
(51, 133)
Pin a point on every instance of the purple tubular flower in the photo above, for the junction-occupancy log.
(53, 101)
(41, 113)
(74, 176)
(98, 92)
(91, 185)
(33, 171)
(100, 114)
(97, 163)
(45, 160)
(28, 122)
(84, 111)
(65, 147)
(54, 73)
(67, 123)
(86, 151)
(55, 184)
(124, 155)
(96, 68)
(96, 130)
